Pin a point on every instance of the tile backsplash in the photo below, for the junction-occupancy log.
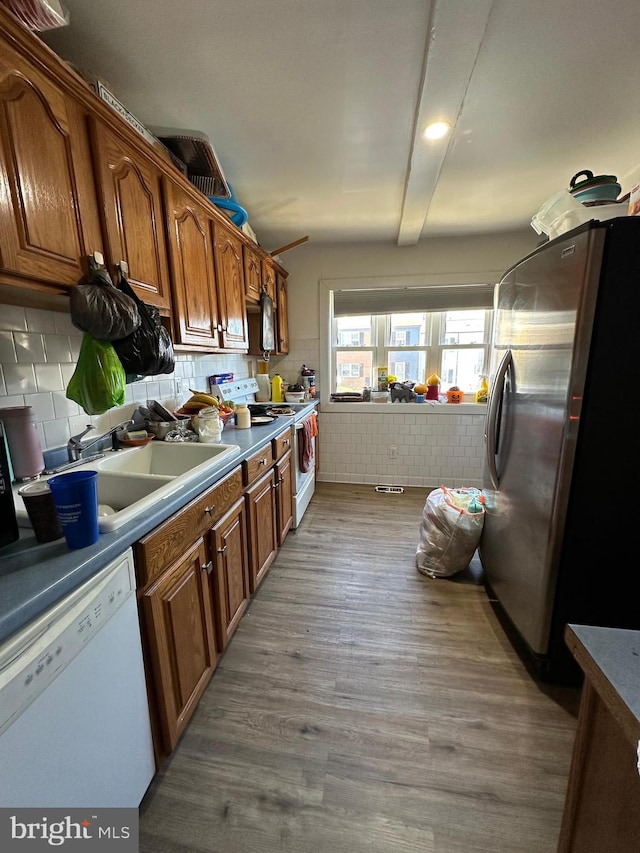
(38, 355)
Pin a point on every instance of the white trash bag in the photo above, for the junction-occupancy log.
(450, 531)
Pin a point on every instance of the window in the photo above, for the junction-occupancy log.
(412, 325)
(412, 345)
(348, 370)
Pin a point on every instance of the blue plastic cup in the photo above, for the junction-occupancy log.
(76, 498)
(420, 398)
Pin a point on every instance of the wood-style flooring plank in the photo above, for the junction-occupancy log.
(361, 706)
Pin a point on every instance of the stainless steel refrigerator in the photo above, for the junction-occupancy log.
(561, 538)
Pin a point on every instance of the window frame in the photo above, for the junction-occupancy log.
(433, 346)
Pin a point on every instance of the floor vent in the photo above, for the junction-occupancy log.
(396, 490)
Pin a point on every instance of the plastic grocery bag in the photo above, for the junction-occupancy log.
(101, 310)
(452, 522)
(98, 382)
(148, 351)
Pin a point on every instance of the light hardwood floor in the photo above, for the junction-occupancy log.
(361, 707)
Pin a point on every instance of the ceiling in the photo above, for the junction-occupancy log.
(315, 108)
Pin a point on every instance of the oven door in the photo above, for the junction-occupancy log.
(305, 481)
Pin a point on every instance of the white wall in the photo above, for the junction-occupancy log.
(432, 445)
(38, 351)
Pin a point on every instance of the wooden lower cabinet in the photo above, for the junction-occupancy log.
(284, 473)
(196, 573)
(228, 547)
(181, 648)
(261, 527)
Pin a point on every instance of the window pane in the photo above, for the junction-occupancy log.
(407, 330)
(353, 331)
(407, 365)
(462, 367)
(354, 370)
(464, 327)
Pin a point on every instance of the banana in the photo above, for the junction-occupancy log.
(194, 405)
(201, 397)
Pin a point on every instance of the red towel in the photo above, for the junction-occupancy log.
(305, 445)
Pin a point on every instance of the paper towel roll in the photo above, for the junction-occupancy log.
(264, 388)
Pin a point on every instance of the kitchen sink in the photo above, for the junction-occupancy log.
(133, 480)
(169, 459)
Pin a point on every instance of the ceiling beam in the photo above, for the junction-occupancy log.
(455, 33)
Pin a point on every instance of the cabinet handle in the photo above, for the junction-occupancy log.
(276, 485)
(210, 510)
(222, 550)
(263, 461)
(286, 441)
(208, 567)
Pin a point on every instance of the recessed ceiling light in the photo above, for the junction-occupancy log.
(437, 130)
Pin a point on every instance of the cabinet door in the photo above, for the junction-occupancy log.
(261, 526)
(282, 316)
(194, 296)
(228, 543)
(230, 277)
(48, 210)
(179, 629)
(269, 278)
(284, 495)
(130, 191)
(252, 274)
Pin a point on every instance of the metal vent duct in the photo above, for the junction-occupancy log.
(193, 148)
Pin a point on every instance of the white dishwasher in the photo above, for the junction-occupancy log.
(74, 718)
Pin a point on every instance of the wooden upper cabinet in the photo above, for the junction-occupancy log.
(252, 274)
(48, 212)
(195, 311)
(130, 191)
(230, 276)
(282, 315)
(269, 278)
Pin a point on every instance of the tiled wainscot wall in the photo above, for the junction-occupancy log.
(411, 445)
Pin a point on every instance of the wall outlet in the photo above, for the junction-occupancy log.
(393, 453)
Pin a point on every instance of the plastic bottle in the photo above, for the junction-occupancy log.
(276, 389)
(243, 417)
(482, 394)
(8, 525)
(308, 382)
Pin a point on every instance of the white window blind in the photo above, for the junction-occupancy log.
(399, 300)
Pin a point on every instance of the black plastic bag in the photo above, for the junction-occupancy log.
(148, 351)
(101, 310)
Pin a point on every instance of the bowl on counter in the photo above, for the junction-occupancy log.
(294, 396)
(127, 441)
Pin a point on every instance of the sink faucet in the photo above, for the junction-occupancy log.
(76, 447)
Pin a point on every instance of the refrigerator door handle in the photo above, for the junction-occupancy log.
(492, 424)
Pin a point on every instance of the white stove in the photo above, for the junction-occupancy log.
(244, 391)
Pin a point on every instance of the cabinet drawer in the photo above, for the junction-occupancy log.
(170, 540)
(257, 464)
(282, 443)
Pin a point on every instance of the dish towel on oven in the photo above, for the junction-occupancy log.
(305, 445)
